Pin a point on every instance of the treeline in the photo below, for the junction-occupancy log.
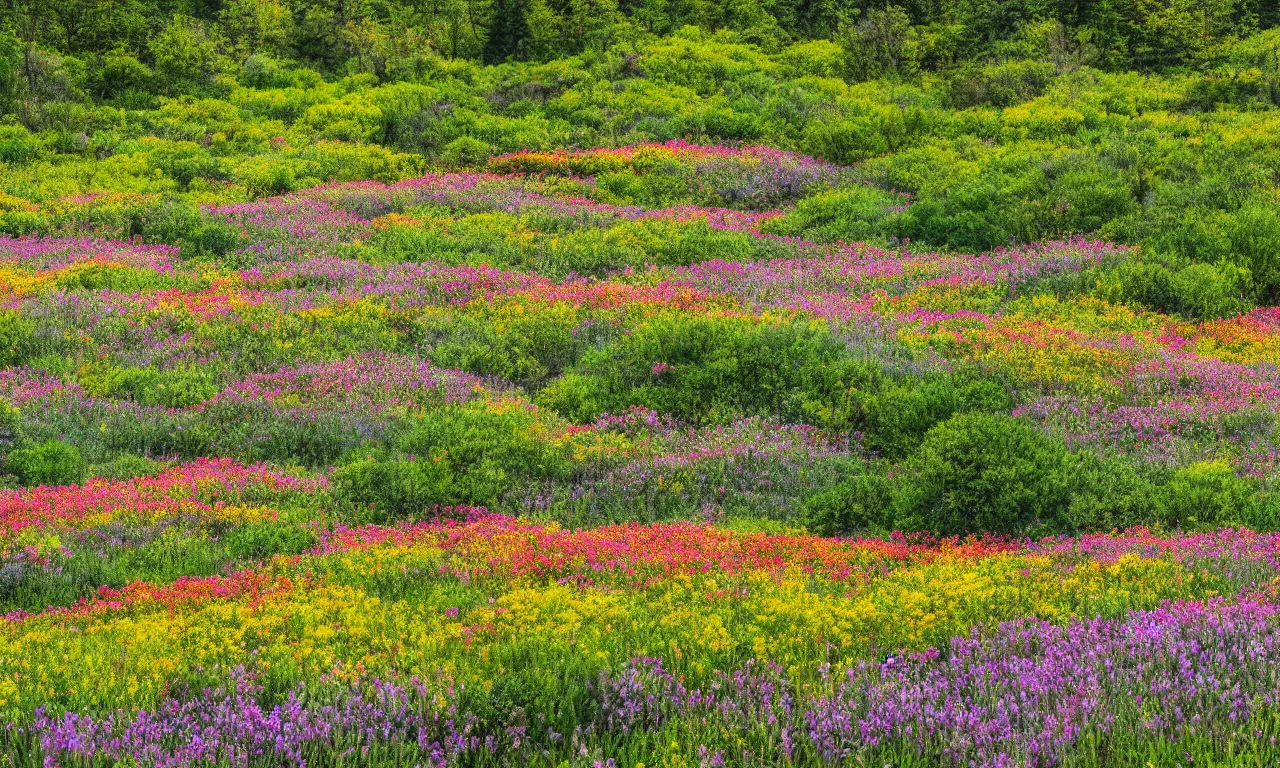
(178, 46)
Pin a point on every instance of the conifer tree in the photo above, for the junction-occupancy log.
(508, 31)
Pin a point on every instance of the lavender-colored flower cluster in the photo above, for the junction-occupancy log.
(1028, 694)
(229, 726)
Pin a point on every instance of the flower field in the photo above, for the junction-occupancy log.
(620, 457)
(639, 384)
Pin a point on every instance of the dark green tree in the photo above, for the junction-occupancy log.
(876, 46)
(508, 31)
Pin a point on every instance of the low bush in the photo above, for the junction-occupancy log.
(981, 472)
(861, 502)
(384, 491)
(708, 369)
(50, 463)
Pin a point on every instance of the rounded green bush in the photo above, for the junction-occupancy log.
(51, 463)
(984, 473)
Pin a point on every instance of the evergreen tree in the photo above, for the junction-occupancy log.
(508, 31)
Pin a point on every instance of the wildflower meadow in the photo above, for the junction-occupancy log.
(633, 385)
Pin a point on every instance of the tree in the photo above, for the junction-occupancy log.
(876, 46)
(185, 56)
(546, 36)
(319, 30)
(257, 27)
(10, 70)
(1178, 32)
(508, 31)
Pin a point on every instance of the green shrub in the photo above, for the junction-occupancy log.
(1230, 88)
(50, 463)
(848, 141)
(180, 388)
(184, 161)
(126, 467)
(981, 472)
(121, 74)
(1206, 495)
(852, 214)
(17, 145)
(1000, 85)
(711, 368)
(262, 540)
(266, 175)
(860, 502)
(15, 337)
(1207, 291)
(1111, 494)
(261, 71)
(895, 418)
(526, 348)
(1196, 291)
(10, 424)
(351, 119)
(465, 151)
(383, 491)
(814, 58)
(1254, 235)
(487, 452)
(579, 398)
